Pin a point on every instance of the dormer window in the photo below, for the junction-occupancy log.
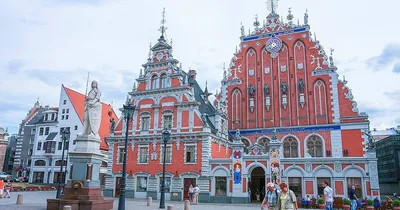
(154, 82)
(164, 81)
(46, 117)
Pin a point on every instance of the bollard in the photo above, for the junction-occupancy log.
(20, 199)
(170, 207)
(149, 200)
(187, 205)
(67, 208)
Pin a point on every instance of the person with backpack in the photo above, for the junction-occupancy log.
(328, 196)
(287, 199)
(271, 198)
(353, 197)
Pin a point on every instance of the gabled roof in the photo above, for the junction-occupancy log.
(31, 114)
(78, 102)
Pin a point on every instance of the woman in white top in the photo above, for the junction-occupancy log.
(191, 192)
(196, 194)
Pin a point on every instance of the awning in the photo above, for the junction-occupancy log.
(51, 136)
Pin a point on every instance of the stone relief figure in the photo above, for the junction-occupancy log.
(371, 140)
(252, 90)
(266, 90)
(112, 125)
(237, 135)
(92, 117)
(300, 84)
(237, 174)
(284, 87)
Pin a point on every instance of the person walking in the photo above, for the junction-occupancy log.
(191, 193)
(271, 198)
(1, 188)
(8, 188)
(196, 194)
(353, 197)
(287, 199)
(328, 196)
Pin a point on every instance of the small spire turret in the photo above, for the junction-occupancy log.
(306, 17)
(256, 23)
(149, 52)
(290, 16)
(225, 74)
(162, 27)
(331, 63)
(242, 30)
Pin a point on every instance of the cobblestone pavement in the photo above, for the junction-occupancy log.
(37, 201)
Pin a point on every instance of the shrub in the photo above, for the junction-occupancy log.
(370, 203)
(346, 201)
(321, 201)
(396, 203)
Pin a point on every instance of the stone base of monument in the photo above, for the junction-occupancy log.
(82, 199)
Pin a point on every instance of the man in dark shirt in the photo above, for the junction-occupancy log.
(353, 197)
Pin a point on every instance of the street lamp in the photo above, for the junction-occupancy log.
(165, 136)
(64, 133)
(128, 111)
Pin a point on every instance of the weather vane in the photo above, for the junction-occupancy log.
(272, 5)
(163, 21)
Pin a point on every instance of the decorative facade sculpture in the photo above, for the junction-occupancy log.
(92, 118)
(300, 85)
(284, 87)
(267, 97)
(252, 91)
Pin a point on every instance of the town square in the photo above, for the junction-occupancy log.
(277, 104)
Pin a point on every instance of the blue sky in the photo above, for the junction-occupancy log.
(46, 43)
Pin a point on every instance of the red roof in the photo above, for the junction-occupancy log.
(78, 102)
(30, 115)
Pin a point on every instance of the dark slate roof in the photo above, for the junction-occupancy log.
(205, 106)
(51, 136)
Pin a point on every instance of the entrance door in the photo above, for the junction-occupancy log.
(186, 183)
(257, 186)
(117, 186)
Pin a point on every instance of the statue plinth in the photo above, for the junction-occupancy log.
(83, 191)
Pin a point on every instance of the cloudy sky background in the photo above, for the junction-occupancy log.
(46, 43)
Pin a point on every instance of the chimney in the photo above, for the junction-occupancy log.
(192, 73)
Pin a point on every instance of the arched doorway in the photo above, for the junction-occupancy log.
(257, 184)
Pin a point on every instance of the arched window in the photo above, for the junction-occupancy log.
(246, 145)
(290, 148)
(58, 163)
(164, 81)
(236, 107)
(314, 146)
(264, 142)
(40, 163)
(154, 82)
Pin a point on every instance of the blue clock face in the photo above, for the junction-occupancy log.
(273, 45)
(159, 56)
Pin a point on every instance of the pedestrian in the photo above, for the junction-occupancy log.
(328, 196)
(271, 198)
(8, 189)
(191, 193)
(353, 197)
(196, 194)
(287, 199)
(1, 188)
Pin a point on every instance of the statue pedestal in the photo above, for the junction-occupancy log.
(83, 191)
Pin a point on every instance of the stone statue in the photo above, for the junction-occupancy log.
(112, 126)
(252, 91)
(92, 118)
(371, 140)
(284, 88)
(237, 135)
(266, 90)
(300, 84)
(306, 18)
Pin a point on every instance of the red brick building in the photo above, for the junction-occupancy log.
(289, 117)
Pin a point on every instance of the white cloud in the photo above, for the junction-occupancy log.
(51, 42)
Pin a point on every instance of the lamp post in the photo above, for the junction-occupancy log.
(128, 111)
(165, 136)
(64, 134)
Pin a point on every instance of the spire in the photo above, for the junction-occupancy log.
(242, 30)
(206, 93)
(141, 73)
(37, 105)
(149, 52)
(162, 27)
(331, 63)
(306, 17)
(256, 23)
(272, 6)
(225, 76)
(134, 87)
(290, 16)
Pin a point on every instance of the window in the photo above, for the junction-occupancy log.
(143, 154)
(63, 111)
(53, 116)
(33, 131)
(66, 117)
(145, 123)
(290, 148)
(65, 102)
(220, 186)
(40, 163)
(31, 141)
(38, 177)
(50, 147)
(167, 184)
(154, 82)
(314, 146)
(121, 155)
(46, 132)
(356, 181)
(295, 186)
(319, 185)
(41, 130)
(164, 81)
(46, 117)
(190, 154)
(168, 153)
(62, 117)
(141, 184)
(167, 121)
(57, 176)
(59, 145)
(66, 146)
(73, 142)
(39, 146)
(67, 111)
(30, 151)
(59, 162)
(76, 127)
(29, 162)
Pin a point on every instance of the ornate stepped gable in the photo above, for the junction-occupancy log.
(282, 76)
